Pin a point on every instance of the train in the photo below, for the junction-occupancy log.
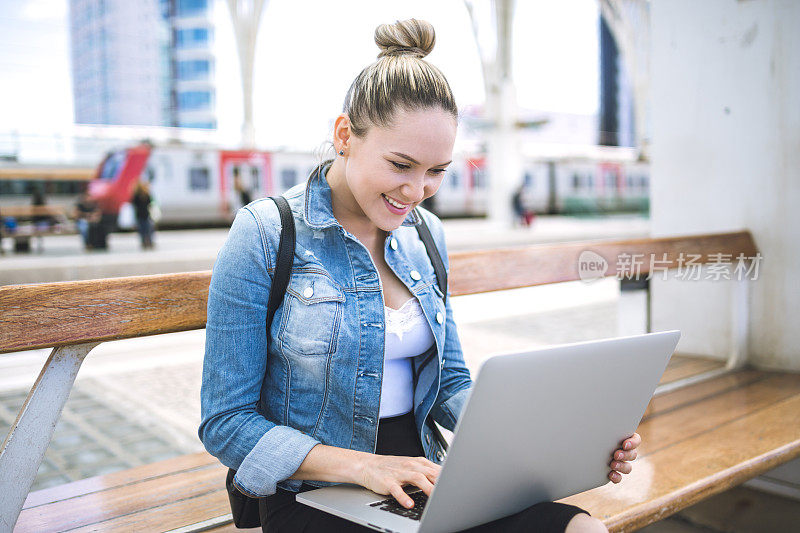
(193, 185)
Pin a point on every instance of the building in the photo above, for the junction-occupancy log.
(616, 123)
(144, 63)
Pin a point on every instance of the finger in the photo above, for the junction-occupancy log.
(620, 455)
(615, 477)
(632, 442)
(420, 480)
(400, 495)
(429, 464)
(431, 476)
(622, 467)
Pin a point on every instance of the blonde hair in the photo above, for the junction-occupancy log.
(400, 79)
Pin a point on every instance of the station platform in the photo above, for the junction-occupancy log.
(63, 258)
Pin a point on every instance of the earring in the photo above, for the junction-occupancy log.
(341, 152)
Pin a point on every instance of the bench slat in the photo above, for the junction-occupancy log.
(675, 477)
(669, 428)
(169, 516)
(57, 314)
(492, 270)
(137, 474)
(702, 391)
(136, 498)
(697, 442)
(686, 366)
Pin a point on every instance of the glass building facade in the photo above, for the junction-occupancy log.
(149, 62)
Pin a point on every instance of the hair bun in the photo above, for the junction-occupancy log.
(406, 37)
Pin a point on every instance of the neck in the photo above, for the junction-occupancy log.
(347, 211)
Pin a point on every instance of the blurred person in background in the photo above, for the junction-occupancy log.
(144, 223)
(38, 199)
(86, 212)
(244, 195)
(523, 215)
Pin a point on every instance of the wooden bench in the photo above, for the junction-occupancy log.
(27, 229)
(702, 434)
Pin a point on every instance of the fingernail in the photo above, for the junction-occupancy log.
(627, 445)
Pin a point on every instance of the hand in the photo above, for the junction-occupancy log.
(386, 474)
(620, 459)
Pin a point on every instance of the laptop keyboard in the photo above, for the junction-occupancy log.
(393, 506)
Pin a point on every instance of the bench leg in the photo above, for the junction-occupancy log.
(29, 436)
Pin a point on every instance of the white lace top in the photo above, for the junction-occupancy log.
(407, 335)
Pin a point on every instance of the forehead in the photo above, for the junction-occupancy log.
(426, 133)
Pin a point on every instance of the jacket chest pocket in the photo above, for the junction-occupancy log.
(312, 314)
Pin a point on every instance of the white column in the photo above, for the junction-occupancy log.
(246, 16)
(726, 156)
(504, 161)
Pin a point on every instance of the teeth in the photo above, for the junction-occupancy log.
(396, 204)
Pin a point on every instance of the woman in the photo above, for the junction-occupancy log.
(340, 389)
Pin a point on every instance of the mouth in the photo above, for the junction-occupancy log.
(394, 206)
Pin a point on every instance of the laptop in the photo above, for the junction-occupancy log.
(538, 426)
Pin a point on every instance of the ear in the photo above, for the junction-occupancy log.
(341, 132)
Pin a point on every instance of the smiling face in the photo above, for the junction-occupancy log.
(391, 170)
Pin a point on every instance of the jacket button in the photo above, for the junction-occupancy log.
(393, 244)
(442, 364)
(439, 455)
(309, 292)
(439, 317)
(415, 275)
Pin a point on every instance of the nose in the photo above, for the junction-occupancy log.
(413, 190)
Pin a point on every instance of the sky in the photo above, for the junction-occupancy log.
(307, 54)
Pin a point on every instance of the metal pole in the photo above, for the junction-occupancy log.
(29, 436)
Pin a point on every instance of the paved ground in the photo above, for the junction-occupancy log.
(62, 257)
(137, 401)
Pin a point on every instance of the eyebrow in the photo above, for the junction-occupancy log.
(417, 162)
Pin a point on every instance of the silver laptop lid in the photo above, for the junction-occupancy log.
(541, 425)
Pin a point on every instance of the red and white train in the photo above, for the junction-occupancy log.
(194, 185)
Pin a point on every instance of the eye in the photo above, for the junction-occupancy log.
(400, 166)
(436, 171)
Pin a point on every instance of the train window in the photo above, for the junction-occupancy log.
(288, 177)
(643, 181)
(112, 165)
(254, 178)
(590, 181)
(610, 179)
(455, 179)
(199, 179)
(477, 178)
(150, 174)
(528, 179)
(576, 181)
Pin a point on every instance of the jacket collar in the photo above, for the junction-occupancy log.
(317, 208)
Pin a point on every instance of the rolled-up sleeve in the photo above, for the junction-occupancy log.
(231, 427)
(456, 383)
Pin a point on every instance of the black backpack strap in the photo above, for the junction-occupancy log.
(433, 254)
(441, 278)
(283, 265)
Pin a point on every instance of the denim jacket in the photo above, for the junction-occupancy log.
(267, 401)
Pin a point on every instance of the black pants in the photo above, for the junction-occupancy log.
(397, 435)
